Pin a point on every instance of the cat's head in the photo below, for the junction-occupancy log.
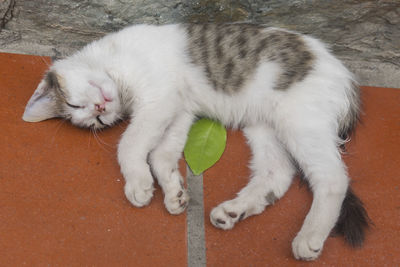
(86, 97)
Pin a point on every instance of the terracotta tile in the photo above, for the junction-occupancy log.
(61, 193)
(61, 197)
(265, 240)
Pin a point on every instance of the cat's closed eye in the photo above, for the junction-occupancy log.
(73, 106)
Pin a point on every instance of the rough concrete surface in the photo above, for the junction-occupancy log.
(364, 34)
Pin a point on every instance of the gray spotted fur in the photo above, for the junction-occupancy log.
(271, 198)
(230, 53)
(54, 90)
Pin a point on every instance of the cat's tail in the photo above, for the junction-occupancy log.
(353, 220)
(351, 116)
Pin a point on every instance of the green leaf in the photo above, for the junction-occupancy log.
(205, 145)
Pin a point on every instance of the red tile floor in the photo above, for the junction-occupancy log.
(62, 203)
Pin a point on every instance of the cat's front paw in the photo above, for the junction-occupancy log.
(307, 247)
(226, 214)
(176, 201)
(138, 195)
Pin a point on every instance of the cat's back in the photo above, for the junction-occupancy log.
(149, 42)
(229, 70)
(248, 68)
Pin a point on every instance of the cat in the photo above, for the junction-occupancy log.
(295, 102)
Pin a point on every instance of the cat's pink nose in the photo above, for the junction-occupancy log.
(100, 107)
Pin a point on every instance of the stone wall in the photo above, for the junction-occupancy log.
(364, 34)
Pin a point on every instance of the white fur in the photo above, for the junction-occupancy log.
(272, 172)
(168, 92)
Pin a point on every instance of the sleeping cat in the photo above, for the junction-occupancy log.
(294, 101)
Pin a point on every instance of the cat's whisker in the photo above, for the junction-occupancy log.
(90, 136)
(99, 141)
(104, 143)
(59, 124)
(122, 124)
(42, 58)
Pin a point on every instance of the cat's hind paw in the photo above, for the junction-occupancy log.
(226, 214)
(307, 247)
(176, 202)
(138, 196)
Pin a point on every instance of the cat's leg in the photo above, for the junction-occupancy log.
(143, 133)
(164, 163)
(272, 173)
(314, 146)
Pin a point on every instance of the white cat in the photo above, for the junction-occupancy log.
(295, 102)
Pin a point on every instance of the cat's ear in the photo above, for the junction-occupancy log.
(44, 103)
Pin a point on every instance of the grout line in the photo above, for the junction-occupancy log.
(196, 245)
